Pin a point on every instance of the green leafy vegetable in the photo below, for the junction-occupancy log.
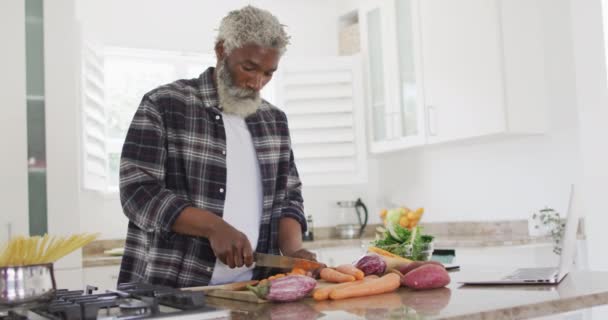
(405, 246)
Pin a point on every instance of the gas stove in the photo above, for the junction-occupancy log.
(130, 301)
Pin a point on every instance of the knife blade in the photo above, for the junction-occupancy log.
(283, 262)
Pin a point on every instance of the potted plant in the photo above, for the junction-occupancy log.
(547, 221)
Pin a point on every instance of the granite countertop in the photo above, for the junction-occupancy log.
(440, 242)
(579, 290)
(98, 258)
(448, 235)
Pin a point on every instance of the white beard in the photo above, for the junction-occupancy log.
(234, 100)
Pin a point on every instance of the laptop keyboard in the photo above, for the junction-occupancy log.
(532, 274)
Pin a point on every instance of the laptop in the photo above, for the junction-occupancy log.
(551, 275)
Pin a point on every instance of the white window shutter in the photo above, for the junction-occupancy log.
(323, 100)
(94, 153)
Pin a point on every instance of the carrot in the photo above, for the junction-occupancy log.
(352, 270)
(387, 283)
(385, 253)
(331, 275)
(299, 271)
(321, 294)
(276, 276)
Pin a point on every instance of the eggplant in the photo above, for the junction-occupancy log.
(285, 289)
(371, 264)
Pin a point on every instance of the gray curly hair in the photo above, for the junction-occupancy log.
(252, 25)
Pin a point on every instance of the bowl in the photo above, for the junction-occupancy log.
(424, 253)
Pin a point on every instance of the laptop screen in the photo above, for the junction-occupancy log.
(569, 243)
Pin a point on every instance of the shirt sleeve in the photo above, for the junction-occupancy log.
(294, 203)
(145, 199)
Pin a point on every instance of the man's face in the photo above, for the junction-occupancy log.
(242, 74)
(252, 66)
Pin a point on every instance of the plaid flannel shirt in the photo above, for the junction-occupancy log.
(174, 157)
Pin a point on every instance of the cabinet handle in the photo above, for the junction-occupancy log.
(432, 120)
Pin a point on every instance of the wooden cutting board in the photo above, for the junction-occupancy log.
(241, 294)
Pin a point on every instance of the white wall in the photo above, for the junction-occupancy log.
(13, 141)
(500, 179)
(190, 25)
(592, 98)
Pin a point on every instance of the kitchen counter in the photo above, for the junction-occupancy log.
(96, 258)
(440, 242)
(579, 290)
(448, 235)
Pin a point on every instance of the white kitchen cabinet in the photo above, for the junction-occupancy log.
(483, 68)
(390, 42)
(104, 277)
(448, 70)
(69, 278)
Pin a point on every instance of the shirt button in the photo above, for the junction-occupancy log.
(223, 152)
(217, 117)
(221, 190)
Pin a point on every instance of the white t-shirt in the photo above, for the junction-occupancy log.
(243, 205)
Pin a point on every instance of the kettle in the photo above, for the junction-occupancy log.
(352, 219)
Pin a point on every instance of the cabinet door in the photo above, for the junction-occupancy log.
(390, 44)
(373, 42)
(408, 94)
(462, 66)
(104, 278)
(69, 278)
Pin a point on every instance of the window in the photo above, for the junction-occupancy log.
(322, 98)
(115, 80)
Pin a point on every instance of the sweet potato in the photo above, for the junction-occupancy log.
(429, 276)
(411, 266)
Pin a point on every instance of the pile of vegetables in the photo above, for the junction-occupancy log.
(401, 234)
(396, 259)
(374, 273)
(417, 275)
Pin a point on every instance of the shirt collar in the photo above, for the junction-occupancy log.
(208, 89)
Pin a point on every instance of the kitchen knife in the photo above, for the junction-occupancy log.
(283, 262)
(235, 286)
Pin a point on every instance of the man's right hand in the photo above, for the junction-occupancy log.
(228, 244)
(231, 246)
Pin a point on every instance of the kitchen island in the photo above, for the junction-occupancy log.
(579, 290)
